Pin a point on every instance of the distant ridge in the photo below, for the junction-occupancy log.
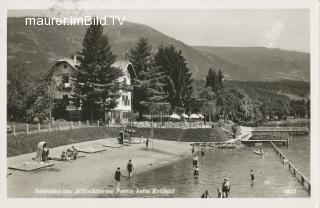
(38, 46)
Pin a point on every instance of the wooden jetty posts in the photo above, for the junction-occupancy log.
(302, 179)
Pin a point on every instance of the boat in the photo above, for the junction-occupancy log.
(258, 152)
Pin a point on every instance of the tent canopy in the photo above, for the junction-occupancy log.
(185, 115)
(195, 116)
(174, 116)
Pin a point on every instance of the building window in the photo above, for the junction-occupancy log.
(124, 80)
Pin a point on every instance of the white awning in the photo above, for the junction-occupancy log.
(194, 116)
(174, 116)
(185, 115)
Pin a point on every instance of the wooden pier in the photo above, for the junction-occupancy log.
(290, 130)
(266, 141)
(302, 179)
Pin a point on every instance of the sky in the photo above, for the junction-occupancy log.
(287, 29)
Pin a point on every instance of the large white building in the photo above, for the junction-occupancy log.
(63, 84)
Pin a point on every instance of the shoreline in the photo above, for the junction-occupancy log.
(93, 171)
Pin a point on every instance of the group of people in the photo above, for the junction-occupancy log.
(69, 154)
(118, 174)
(225, 189)
(221, 193)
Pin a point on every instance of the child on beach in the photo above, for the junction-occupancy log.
(117, 176)
(129, 168)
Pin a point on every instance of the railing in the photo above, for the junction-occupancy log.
(24, 128)
(304, 181)
(304, 129)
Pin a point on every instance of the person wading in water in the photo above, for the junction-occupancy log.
(252, 175)
(196, 172)
(202, 152)
(205, 194)
(195, 160)
(129, 168)
(225, 188)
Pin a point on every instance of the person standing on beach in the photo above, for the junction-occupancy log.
(225, 188)
(193, 149)
(147, 143)
(129, 168)
(117, 176)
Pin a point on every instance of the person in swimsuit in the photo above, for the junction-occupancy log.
(196, 171)
(117, 176)
(225, 188)
(195, 160)
(129, 168)
(147, 143)
(205, 194)
(252, 175)
(219, 193)
(202, 152)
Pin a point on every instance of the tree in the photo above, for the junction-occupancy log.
(178, 78)
(20, 87)
(148, 83)
(97, 84)
(220, 78)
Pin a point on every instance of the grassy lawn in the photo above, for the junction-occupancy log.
(26, 143)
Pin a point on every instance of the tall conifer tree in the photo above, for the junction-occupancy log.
(97, 84)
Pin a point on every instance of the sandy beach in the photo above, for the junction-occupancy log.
(91, 171)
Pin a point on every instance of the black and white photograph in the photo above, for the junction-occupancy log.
(161, 103)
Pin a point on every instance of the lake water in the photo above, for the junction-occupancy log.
(272, 178)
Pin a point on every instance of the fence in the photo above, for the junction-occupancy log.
(24, 128)
(304, 181)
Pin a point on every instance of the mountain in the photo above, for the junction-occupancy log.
(269, 64)
(38, 46)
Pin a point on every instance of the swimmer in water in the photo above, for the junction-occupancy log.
(195, 160)
(252, 175)
(219, 193)
(196, 171)
(202, 152)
